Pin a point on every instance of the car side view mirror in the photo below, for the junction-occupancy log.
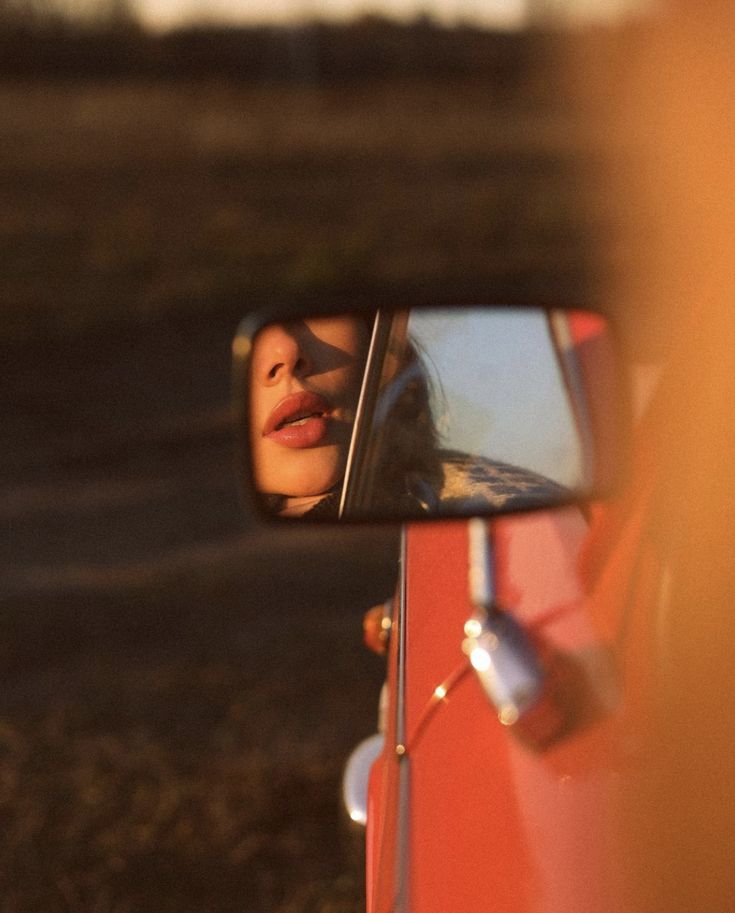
(431, 412)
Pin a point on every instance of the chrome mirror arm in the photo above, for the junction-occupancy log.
(501, 652)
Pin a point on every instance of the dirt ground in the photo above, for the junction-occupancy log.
(179, 693)
(179, 689)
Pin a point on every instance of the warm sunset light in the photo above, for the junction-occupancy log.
(501, 14)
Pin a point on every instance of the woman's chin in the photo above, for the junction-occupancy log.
(302, 478)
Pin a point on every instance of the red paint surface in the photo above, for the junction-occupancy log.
(493, 825)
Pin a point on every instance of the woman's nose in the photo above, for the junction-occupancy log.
(278, 354)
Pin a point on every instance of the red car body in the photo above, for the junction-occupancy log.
(461, 814)
(631, 809)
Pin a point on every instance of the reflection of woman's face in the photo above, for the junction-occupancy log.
(306, 378)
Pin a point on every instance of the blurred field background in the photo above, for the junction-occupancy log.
(180, 691)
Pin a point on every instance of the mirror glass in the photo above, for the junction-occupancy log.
(429, 412)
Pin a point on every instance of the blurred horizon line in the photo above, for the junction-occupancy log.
(486, 15)
(172, 16)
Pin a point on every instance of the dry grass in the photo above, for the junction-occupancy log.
(127, 201)
(178, 746)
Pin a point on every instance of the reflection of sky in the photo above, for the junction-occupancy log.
(498, 390)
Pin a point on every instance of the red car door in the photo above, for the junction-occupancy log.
(462, 815)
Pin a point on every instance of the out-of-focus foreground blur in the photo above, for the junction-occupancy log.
(671, 277)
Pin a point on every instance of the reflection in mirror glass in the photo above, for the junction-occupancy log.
(497, 389)
(305, 380)
(423, 413)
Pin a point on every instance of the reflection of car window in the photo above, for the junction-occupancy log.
(458, 415)
(476, 483)
(497, 390)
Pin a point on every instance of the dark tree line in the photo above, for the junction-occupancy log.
(40, 14)
(41, 42)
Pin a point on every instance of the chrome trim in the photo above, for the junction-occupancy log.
(401, 900)
(499, 649)
(401, 662)
(480, 570)
(401, 904)
(356, 776)
(358, 416)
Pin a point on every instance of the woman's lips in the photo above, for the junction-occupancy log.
(299, 420)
